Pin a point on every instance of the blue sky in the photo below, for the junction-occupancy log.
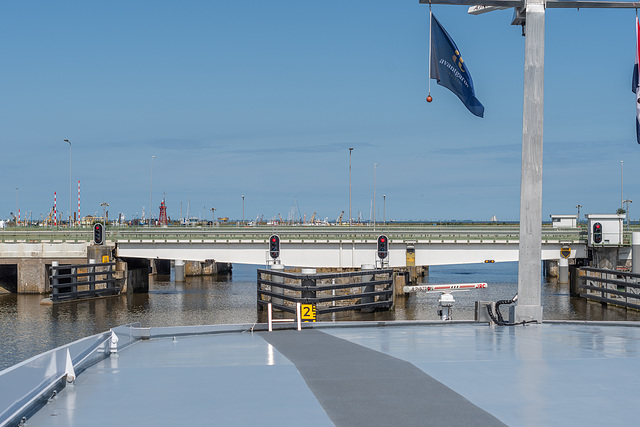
(264, 99)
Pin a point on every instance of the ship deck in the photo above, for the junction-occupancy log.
(404, 373)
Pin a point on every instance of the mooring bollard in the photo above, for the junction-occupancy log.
(367, 288)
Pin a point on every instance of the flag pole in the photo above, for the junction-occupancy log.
(429, 99)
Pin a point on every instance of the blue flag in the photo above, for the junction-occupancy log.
(635, 83)
(450, 71)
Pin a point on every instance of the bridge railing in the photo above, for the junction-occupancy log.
(610, 286)
(359, 290)
(69, 282)
(425, 233)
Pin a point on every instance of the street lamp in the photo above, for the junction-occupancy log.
(151, 191)
(17, 211)
(384, 209)
(104, 210)
(213, 216)
(578, 206)
(375, 165)
(621, 183)
(66, 140)
(350, 150)
(243, 210)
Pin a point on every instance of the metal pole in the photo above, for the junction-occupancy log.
(243, 210)
(375, 165)
(530, 247)
(350, 150)
(384, 209)
(151, 190)
(16, 215)
(70, 196)
(621, 184)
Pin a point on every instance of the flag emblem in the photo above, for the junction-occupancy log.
(451, 73)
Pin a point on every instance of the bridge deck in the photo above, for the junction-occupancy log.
(408, 374)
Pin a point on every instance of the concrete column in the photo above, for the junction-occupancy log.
(308, 282)
(563, 270)
(179, 270)
(277, 279)
(635, 252)
(31, 276)
(530, 248)
(368, 288)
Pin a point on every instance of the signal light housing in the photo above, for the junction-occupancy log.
(274, 246)
(383, 246)
(597, 232)
(98, 234)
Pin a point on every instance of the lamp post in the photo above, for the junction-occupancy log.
(243, 210)
(621, 183)
(17, 214)
(213, 216)
(69, 142)
(151, 191)
(375, 165)
(578, 206)
(384, 209)
(350, 150)
(104, 210)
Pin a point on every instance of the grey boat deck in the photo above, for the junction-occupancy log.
(346, 374)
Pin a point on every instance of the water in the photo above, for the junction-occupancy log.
(27, 328)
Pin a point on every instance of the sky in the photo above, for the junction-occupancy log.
(264, 99)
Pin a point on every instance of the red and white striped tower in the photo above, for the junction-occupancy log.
(55, 209)
(18, 217)
(78, 218)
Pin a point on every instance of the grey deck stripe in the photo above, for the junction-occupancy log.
(358, 386)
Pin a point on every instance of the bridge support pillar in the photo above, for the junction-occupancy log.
(563, 271)
(178, 268)
(32, 276)
(635, 252)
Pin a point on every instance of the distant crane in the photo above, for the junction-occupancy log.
(339, 221)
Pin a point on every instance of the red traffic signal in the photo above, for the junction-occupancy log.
(98, 234)
(383, 246)
(274, 246)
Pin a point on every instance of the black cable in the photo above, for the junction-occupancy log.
(500, 320)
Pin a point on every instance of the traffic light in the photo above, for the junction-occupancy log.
(274, 246)
(98, 234)
(597, 233)
(383, 247)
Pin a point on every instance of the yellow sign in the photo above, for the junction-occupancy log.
(308, 312)
(105, 259)
(565, 252)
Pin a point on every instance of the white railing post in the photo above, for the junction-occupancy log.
(298, 316)
(270, 316)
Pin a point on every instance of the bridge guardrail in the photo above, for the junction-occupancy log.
(427, 234)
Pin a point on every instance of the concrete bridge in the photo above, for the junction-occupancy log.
(26, 254)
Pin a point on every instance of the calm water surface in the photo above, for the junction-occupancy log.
(27, 328)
